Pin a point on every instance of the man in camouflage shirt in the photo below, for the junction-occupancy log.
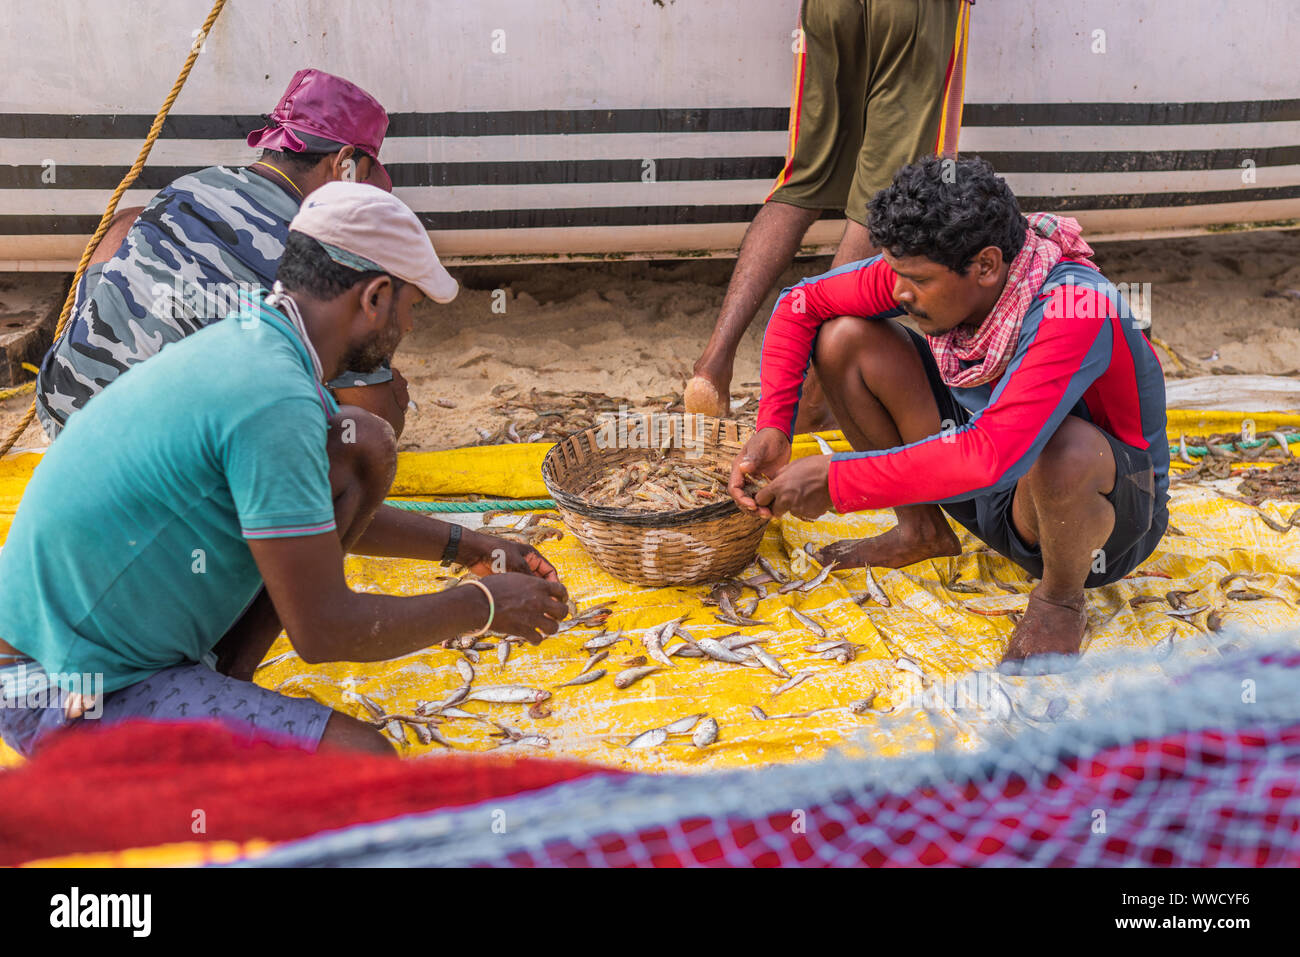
(212, 235)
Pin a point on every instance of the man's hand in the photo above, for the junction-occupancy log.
(527, 606)
(766, 453)
(802, 488)
(489, 555)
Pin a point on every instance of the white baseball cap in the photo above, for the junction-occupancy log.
(363, 227)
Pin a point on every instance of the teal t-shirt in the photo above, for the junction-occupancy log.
(128, 552)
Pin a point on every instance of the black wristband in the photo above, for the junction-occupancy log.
(453, 545)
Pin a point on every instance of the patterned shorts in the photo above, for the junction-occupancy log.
(189, 692)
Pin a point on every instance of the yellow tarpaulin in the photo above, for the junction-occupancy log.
(951, 633)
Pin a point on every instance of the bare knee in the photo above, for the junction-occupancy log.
(364, 445)
(869, 346)
(839, 342)
(345, 731)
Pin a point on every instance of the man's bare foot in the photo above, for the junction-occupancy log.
(1048, 627)
(896, 548)
(705, 397)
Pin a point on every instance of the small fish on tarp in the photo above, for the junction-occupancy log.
(807, 622)
(684, 725)
(649, 739)
(603, 640)
(509, 694)
(706, 733)
(584, 678)
(797, 679)
(631, 676)
(717, 652)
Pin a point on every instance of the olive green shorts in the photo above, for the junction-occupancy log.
(878, 84)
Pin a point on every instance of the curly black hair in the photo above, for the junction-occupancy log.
(947, 210)
(307, 267)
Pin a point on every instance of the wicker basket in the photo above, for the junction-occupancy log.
(654, 548)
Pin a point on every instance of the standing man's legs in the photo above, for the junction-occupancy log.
(876, 86)
(767, 250)
(826, 128)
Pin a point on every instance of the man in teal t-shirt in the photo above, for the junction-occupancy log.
(205, 499)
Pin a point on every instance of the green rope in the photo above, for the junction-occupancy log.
(487, 505)
(1200, 450)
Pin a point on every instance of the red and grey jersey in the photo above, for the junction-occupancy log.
(1079, 353)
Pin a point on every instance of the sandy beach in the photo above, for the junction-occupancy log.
(633, 329)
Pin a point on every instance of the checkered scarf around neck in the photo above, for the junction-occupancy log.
(1048, 240)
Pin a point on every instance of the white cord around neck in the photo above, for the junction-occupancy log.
(284, 301)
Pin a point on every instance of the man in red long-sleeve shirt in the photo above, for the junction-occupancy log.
(1032, 411)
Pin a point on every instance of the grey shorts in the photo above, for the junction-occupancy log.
(1140, 520)
(189, 692)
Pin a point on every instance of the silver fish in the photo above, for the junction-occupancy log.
(904, 663)
(768, 662)
(758, 712)
(397, 731)
(438, 738)
(603, 640)
(686, 650)
(817, 579)
(808, 623)
(705, 734)
(534, 741)
(653, 642)
(470, 653)
(594, 660)
(822, 646)
(800, 677)
(1187, 612)
(373, 709)
(466, 670)
(509, 694)
(684, 725)
(584, 678)
(863, 706)
(503, 652)
(649, 739)
(459, 713)
(874, 591)
(715, 650)
(422, 732)
(276, 660)
(725, 603)
(764, 564)
(1165, 646)
(631, 676)
(737, 641)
